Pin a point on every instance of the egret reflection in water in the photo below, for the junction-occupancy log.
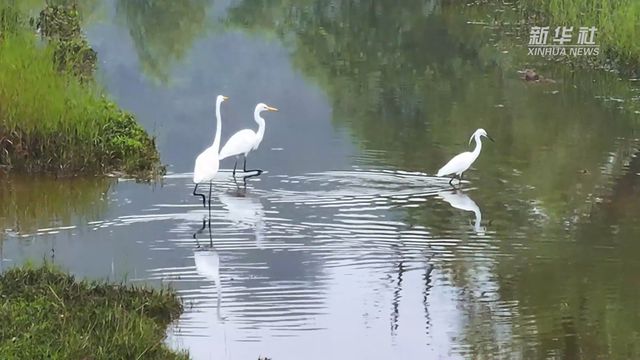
(245, 209)
(460, 200)
(207, 262)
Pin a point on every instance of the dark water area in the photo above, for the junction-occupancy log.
(348, 246)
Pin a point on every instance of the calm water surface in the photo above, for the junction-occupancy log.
(345, 247)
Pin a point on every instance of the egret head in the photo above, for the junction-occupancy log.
(479, 133)
(220, 99)
(264, 107)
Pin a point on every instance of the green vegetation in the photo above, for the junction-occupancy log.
(53, 117)
(47, 314)
(617, 21)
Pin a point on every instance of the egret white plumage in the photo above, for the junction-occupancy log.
(461, 162)
(208, 162)
(246, 140)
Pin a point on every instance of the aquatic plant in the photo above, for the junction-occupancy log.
(47, 314)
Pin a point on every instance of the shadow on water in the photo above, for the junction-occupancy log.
(43, 205)
(162, 31)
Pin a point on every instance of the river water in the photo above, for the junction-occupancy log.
(348, 246)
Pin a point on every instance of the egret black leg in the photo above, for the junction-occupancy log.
(258, 171)
(204, 199)
(234, 168)
(451, 181)
(244, 179)
(210, 186)
(195, 234)
(210, 236)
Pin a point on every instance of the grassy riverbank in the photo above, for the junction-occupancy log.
(617, 21)
(53, 116)
(46, 313)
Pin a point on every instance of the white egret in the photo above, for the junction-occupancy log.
(246, 140)
(461, 162)
(462, 201)
(208, 162)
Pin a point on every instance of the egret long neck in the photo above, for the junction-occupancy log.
(261, 125)
(216, 139)
(476, 151)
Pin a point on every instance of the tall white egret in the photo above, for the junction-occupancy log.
(208, 162)
(461, 162)
(246, 140)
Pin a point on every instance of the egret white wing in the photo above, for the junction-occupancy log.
(240, 143)
(458, 164)
(206, 166)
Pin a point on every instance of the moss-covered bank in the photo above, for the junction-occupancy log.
(47, 314)
(53, 116)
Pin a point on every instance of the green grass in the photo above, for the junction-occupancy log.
(47, 314)
(54, 121)
(617, 21)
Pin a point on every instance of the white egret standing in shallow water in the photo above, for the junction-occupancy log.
(461, 162)
(208, 162)
(246, 140)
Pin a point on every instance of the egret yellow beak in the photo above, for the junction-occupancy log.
(225, 97)
(271, 108)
